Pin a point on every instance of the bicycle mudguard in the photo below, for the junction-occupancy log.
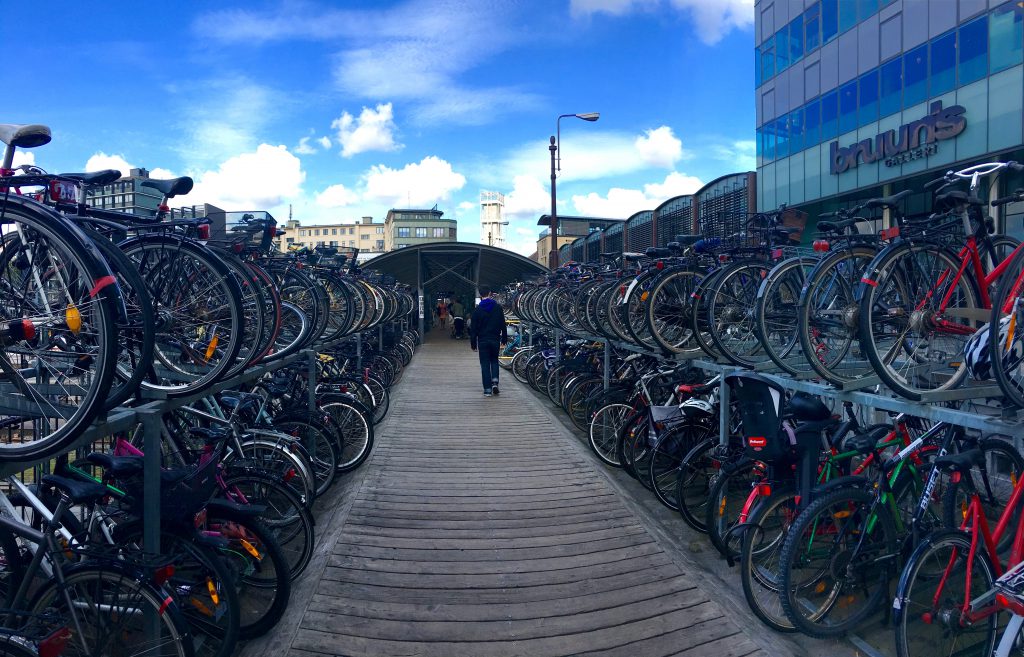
(847, 481)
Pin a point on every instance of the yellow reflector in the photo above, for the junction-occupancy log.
(251, 549)
(213, 591)
(1010, 330)
(213, 346)
(820, 588)
(839, 515)
(955, 363)
(203, 609)
(644, 295)
(721, 508)
(73, 319)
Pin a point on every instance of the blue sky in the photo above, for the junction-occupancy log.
(348, 108)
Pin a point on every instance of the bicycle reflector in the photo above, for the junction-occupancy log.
(162, 574)
(16, 331)
(203, 231)
(53, 645)
(821, 246)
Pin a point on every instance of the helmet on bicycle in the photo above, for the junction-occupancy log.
(976, 351)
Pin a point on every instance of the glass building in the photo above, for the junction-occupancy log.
(864, 98)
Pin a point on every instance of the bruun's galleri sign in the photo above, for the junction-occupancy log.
(895, 147)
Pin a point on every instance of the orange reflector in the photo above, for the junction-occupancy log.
(721, 508)
(203, 609)
(212, 588)
(839, 515)
(73, 319)
(251, 549)
(212, 346)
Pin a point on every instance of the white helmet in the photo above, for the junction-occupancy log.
(979, 360)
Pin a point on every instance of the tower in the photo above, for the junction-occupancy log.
(492, 219)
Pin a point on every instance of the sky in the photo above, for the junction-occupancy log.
(348, 108)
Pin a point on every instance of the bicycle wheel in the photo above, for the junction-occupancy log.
(55, 381)
(320, 444)
(916, 314)
(670, 312)
(827, 317)
(759, 558)
(733, 300)
(576, 401)
(283, 514)
(1003, 468)
(605, 428)
(198, 306)
(356, 433)
(929, 602)
(836, 562)
(1006, 355)
(113, 609)
(697, 473)
(775, 313)
(726, 499)
(667, 455)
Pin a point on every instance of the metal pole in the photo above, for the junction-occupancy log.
(607, 363)
(359, 352)
(553, 255)
(151, 427)
(311, 373)
(723, 414)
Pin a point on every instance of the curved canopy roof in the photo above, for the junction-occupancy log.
(455, 265)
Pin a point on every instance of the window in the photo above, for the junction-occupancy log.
(451, 233)
(868, 108)
(364, 236)
(437, 232)
(334, 242)
(352, 230)
(380, 244)
(796, 39)
(891, 75)
(403, 232)
(812, 123)
(380, 230)
(351, 242)
(768, 59)
(848, 107)
(943, 64)
(847, 14)
(915, 76)
(782, 136)
(866, 8)
(829, 20)
(829, 115)
(781, 50)
(972, 51)
(421, 231)
(757, 67)
(768, 140)
(289, 240)
(796, 131)
(812, 28)
(334, 231)
(1006, 37)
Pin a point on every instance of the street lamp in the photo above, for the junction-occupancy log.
(556, 165)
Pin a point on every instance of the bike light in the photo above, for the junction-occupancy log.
(53, 645)
(163, 574)
(288, 476)
(203, 231)
(659, 265)
(764, 490)
(237, 248)
(821, 246)
(16, 331)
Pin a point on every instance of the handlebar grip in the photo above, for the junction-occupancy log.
(935, 182)
(826, 215)
(1012, 198)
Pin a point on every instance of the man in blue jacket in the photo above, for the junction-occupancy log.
(487, 332)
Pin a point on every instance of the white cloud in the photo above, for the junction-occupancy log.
(526, 231)
(659, 147)
(325, 142)
(304, 148)
(101, 161)
(528, 199)
(161, 174)
(416, 185)
(712, 19)
(257, 180)
(25, 157)
(741, 154)
(336, 196)
(466, 205)
(622, 203)
(373, 130)
(223, 118)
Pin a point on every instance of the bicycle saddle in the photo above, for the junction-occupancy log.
(170, 188)
(808, 408)
(955, 197)
(658, 252)
(687, 240)
(24, 136)
(78, 491)
(104, 177)
(864, 443)
(888, 201)
(963, 462)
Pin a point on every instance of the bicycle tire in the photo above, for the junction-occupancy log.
(731, 307)
(726, 499)
(356, 433)
(1004, 354)
(776, 313)
(667, 455)
(694, 479)
(762, 540)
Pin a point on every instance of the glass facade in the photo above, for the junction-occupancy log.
(868, 67)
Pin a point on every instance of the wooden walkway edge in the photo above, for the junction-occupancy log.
(481, 528)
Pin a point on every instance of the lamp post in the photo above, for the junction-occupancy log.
(556, 165)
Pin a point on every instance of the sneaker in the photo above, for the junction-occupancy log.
(494, 389)
(487, 393)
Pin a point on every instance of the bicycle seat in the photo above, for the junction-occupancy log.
(956, 197)
(963, 462)
(687, 240)
(808, 408)
(248, 404)
(888, 201)
(864, 443)
(24, 136)
(170, 188)
(658, 252)
(632, 256)
(835, 226)
(78, 491)
(104, 177)
(117, 466)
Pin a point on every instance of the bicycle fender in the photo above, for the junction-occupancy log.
(219, 504)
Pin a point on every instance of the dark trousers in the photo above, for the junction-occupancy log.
(488, 350)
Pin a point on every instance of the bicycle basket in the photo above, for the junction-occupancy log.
(760, 401)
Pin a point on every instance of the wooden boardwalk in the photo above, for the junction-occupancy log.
(480, 528)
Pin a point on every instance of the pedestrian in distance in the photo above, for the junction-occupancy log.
(487, 332)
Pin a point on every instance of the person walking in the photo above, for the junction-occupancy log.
(487, 332)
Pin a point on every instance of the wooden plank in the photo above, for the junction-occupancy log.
(506, 554)
(445, 532)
